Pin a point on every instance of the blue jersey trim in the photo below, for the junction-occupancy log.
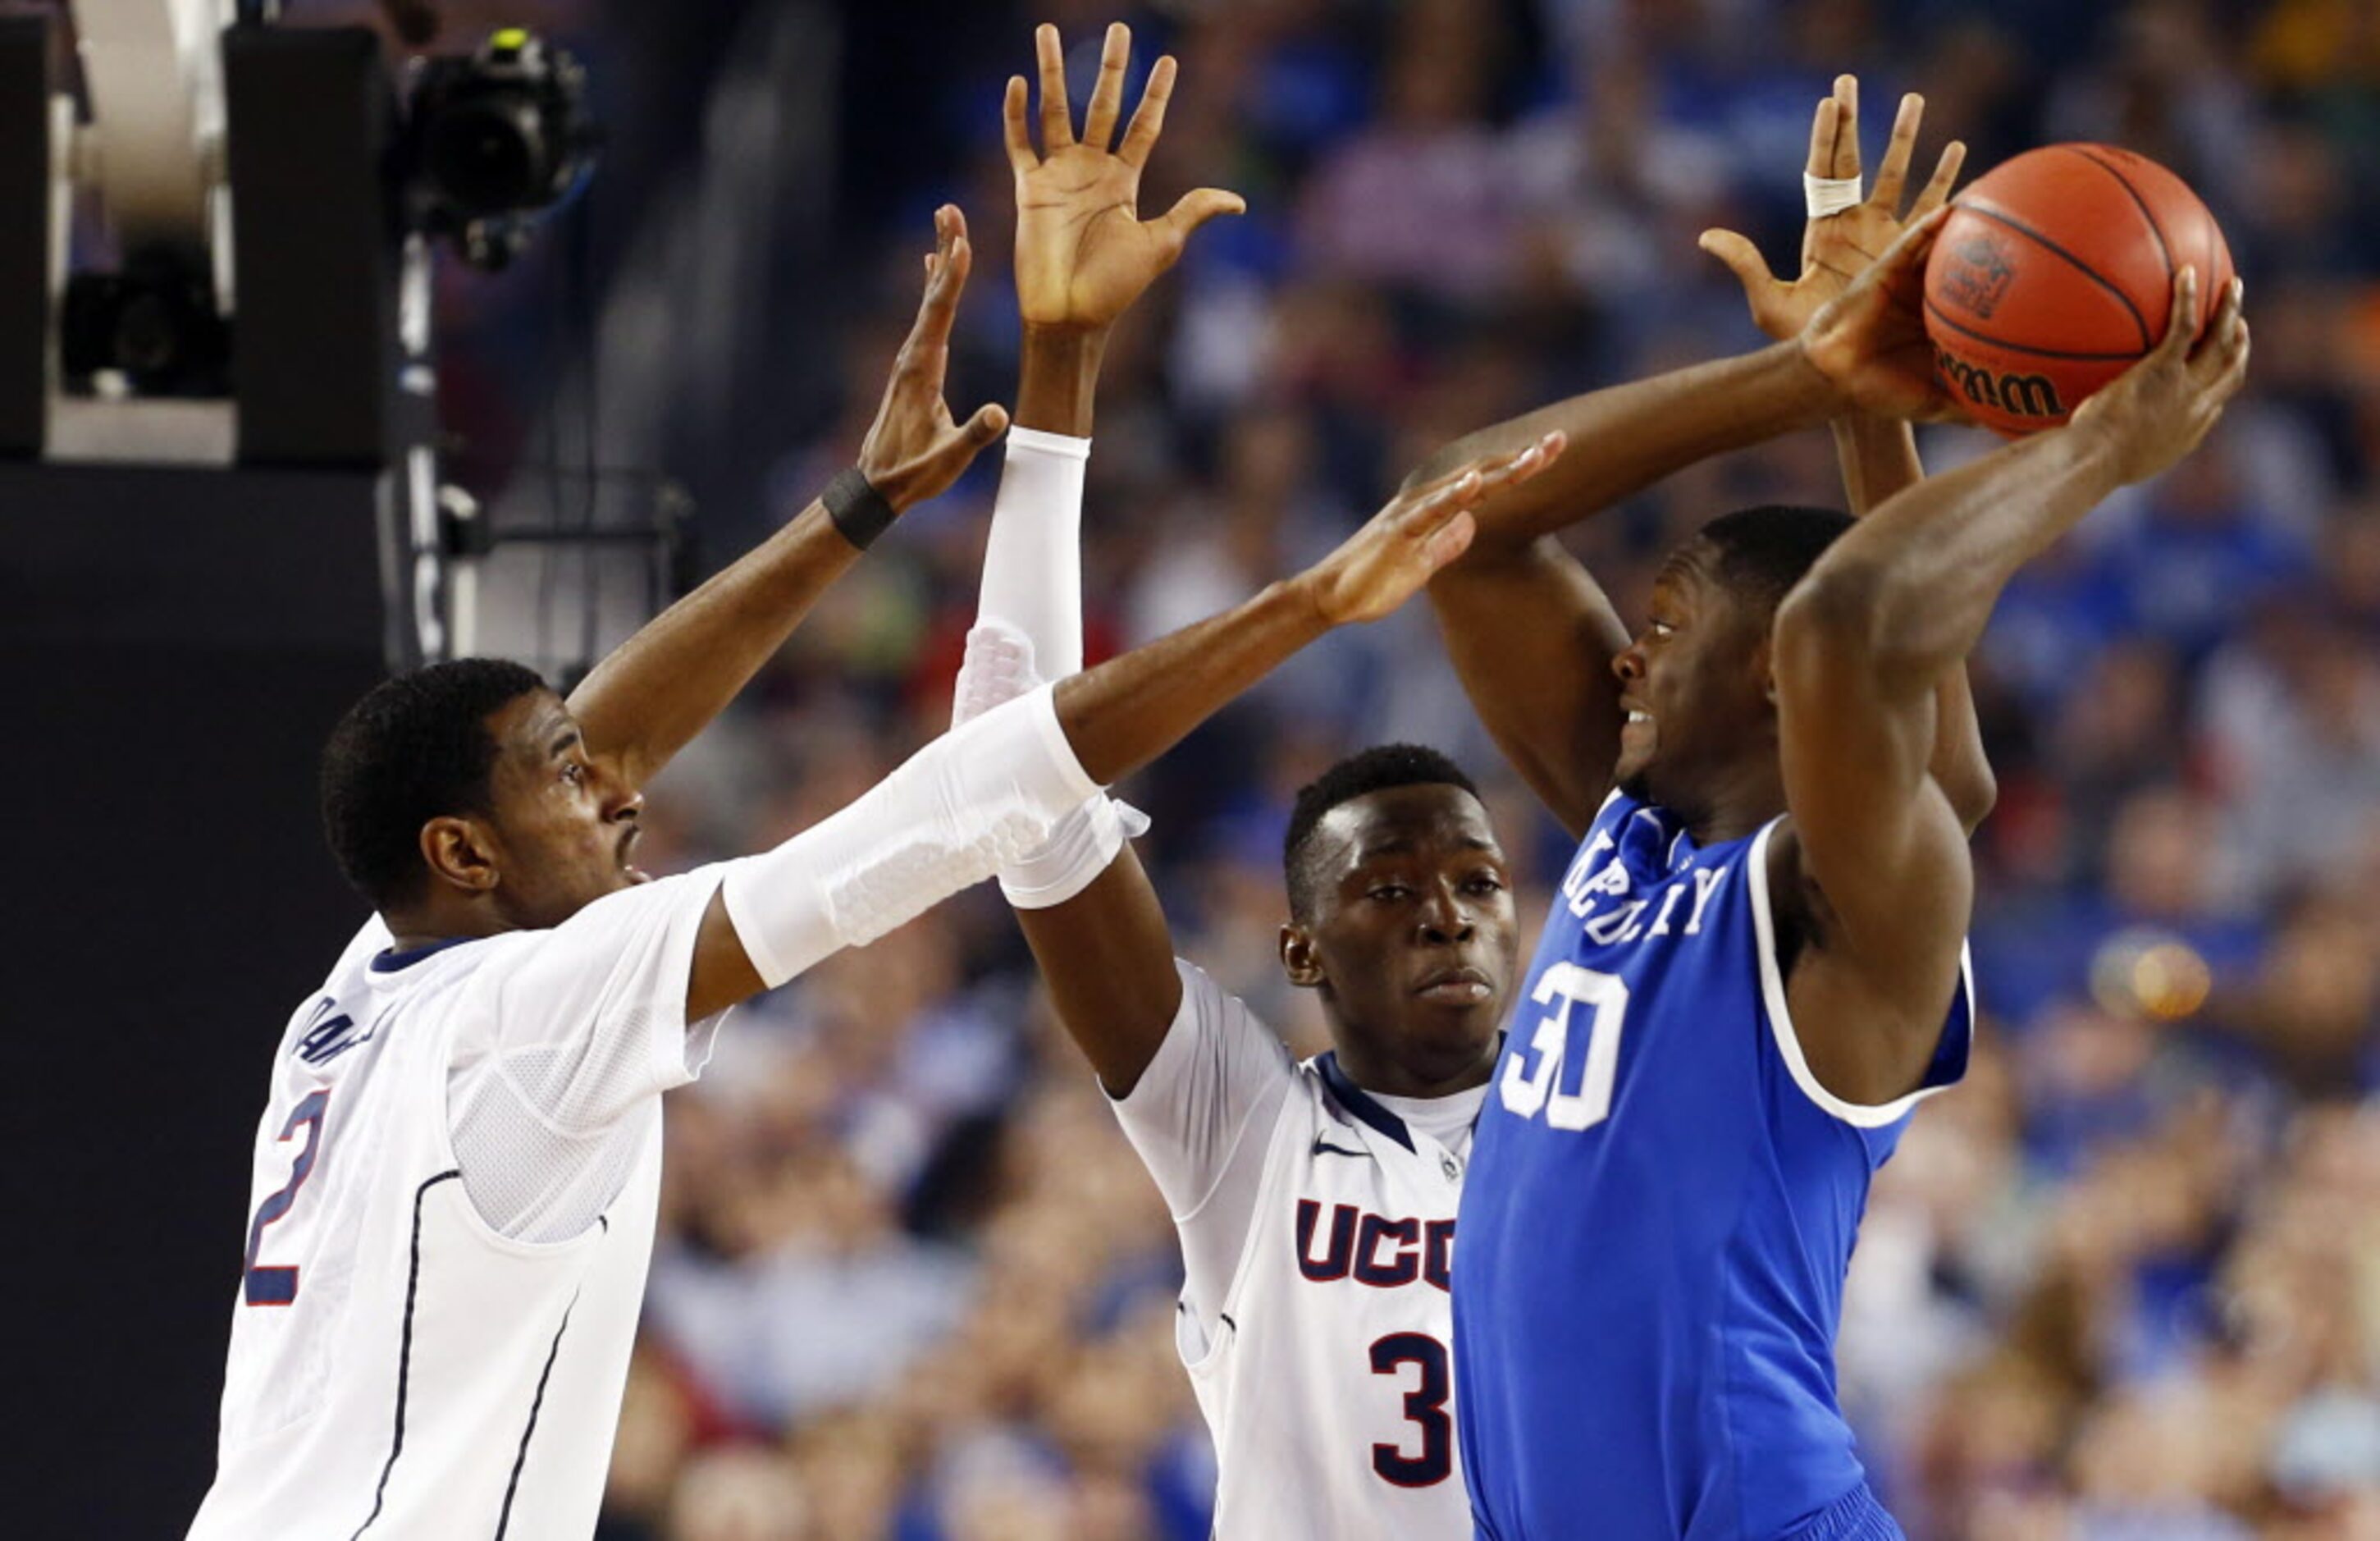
(392, 960)
(404, 1349)
(1949, 1063)
(520, 1458)
(1356, 1101)
(1361, 1103)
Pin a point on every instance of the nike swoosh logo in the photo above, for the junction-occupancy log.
(1322, 1144)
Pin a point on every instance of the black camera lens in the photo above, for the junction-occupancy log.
(488, 156)
(149, 333)
(155, 322)
(496, 141)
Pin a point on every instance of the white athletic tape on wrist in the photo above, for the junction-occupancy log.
(978, 798)
(1829, 196)
(1041, 441)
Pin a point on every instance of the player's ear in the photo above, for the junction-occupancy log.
(461, 852)
(1299, 958)
(1764, 669)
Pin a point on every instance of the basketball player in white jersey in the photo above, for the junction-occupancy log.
(452, 1190)
(454, 1178)
(1315, 1202)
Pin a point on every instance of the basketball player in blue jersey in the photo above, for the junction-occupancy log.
(1755, 968)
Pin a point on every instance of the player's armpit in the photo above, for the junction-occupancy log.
(585, 1019)
(1532, 636)
(723, 972)
(1108, 957)
(1869, 1026)
(1872, 832)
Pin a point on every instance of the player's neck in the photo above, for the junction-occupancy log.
(1737, 803)
(425, 924)
(1384, 1076)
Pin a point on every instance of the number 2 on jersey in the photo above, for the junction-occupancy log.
(1425, 1408)
(1528, 1091)
(278, 1286)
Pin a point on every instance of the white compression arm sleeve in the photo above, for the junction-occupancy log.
(1029, 629)
(978, 796)
(1033, 566)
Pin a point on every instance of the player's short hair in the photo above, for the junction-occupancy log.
(1764, 552)
(416, 747)
(1373, 770)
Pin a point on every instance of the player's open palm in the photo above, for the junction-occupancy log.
(2158, 410)
(913, 450)
(1083, 252)
(1402, 546)
(1839, 244)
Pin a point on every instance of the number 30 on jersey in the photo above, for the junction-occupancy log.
(1570, 1085)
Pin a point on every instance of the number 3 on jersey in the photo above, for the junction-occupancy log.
(1526, 1090)
(278, 1286)
(1425, 1408)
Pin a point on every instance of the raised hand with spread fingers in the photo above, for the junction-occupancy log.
(1424, 528)
(1838, 244)
(1845, 235)
(1083, 252)
(915, 449)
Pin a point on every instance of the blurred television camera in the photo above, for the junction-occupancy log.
(495, 142)
(213, 144)
(216, 248)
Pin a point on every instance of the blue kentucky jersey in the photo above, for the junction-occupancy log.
(1660, 1207)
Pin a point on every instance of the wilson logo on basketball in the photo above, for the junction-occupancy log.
(1979, 275)
(2019, 395)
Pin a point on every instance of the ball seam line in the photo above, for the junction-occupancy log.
(1991, 213)
(1938, 313)
(2164, 249)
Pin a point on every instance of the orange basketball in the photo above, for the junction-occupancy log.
(2054, 273)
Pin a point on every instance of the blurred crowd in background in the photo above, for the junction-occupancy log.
(2124, 1282)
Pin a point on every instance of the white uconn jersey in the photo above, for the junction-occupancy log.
(450, 1216)
(1317, 1234)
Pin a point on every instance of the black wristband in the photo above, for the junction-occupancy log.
(859, 510)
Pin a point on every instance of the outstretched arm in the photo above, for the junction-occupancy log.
(949, 816)
(1083, 257)
(1878, 454)
(1529, 631)
(1631, 436)
(1107, 952)
(1532, 636)
(1127, 711)
(1861, 645)
(664, 684)
(1876, 360)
